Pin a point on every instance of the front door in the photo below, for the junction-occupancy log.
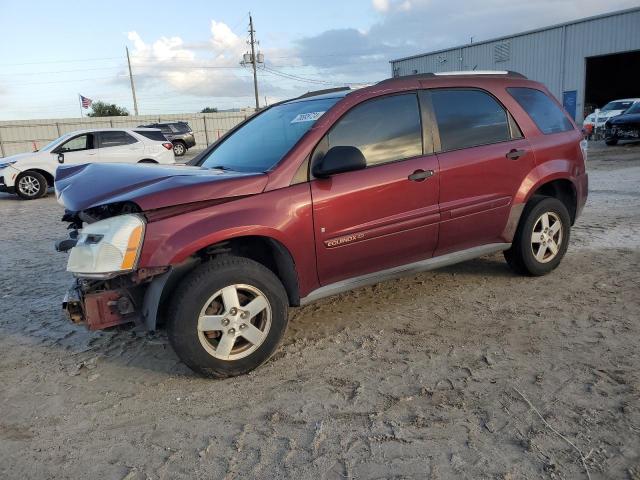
(78, 149)
(387, 214)
(483, 160)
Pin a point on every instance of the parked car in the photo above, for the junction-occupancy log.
(178, 133)
(624, 127)
(30, 174)
(317, 195)
(610, 110)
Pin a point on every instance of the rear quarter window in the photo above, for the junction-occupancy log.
(152, 135)
(545, 113)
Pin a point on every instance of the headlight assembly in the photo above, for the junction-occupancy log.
(5, 164)
(108, 247)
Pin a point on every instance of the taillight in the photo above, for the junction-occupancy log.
(584, 148)
(168, 145)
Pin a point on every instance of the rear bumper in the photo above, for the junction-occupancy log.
(190, 141)
(582, 192)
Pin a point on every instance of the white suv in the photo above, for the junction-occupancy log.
(31, 174)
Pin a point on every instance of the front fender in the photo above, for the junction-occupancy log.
(284, 215)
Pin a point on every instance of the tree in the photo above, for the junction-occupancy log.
(103, 109)
(209, 110)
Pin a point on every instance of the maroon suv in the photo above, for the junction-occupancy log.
(317, 195)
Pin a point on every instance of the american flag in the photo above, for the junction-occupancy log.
(86, 102)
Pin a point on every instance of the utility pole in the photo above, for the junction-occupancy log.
(253, 61)
(133, 88)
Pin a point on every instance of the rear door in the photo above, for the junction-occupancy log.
(483, 160)
(383, 216)
(119, 146)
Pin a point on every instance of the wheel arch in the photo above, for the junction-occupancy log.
(265, 250)
(47, 176)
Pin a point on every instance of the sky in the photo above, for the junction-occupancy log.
(185, 55)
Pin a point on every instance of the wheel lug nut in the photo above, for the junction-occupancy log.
(225, 322)
(231, 331)
(244, 315)
(243, 326)
(233, 311)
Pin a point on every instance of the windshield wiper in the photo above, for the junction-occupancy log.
(222, 167)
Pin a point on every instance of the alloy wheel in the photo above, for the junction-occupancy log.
(234, 322)
(29, 186)
(546, 237)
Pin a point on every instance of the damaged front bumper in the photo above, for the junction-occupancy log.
(125, 299)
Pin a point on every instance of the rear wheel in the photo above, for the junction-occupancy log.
(179, 149)
(542, 237)
(31, 185)
(227, 317)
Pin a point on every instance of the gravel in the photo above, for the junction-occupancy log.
(412, 378)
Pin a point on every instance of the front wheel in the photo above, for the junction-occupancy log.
(611, 141)
(227, 317)
(542, 237)
(31, 185)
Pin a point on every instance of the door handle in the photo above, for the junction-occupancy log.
(515, 154)
(420, 175)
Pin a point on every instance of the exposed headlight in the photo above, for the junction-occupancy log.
(107, 247)
(5, 164)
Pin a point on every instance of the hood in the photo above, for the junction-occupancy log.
(17, 157)
(622, 119)
(79, 187)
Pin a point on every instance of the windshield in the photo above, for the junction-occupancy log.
(634, 109)
(262, 142)
(617, 106)
(53, 143)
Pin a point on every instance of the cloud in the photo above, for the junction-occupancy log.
(168, 61)
(409, 27)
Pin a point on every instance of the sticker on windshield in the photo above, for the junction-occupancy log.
(307, 117)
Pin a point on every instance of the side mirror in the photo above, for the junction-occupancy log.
(61, 158)
(339, 160)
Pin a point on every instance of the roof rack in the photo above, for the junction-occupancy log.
(418, 76)
(315, 93)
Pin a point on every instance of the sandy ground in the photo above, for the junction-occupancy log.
(413, 378)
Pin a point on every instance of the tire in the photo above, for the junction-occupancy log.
(521, 257)
(611, 141)
(179, 149)
(147, 160)
(31, 185)
(205, 292)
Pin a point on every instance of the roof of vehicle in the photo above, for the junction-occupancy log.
(114, 129)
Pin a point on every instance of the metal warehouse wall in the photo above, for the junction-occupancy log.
(554, 56)
(18, 136)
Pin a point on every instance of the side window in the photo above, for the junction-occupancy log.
(76, 144)
(115, 139)
(385, 129)
(544, 112)
(468, 118)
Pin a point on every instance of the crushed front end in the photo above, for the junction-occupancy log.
(104, 245)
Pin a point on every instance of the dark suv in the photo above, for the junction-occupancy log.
(317, 195)
(178, 133)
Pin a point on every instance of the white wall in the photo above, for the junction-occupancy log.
(19, 136)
